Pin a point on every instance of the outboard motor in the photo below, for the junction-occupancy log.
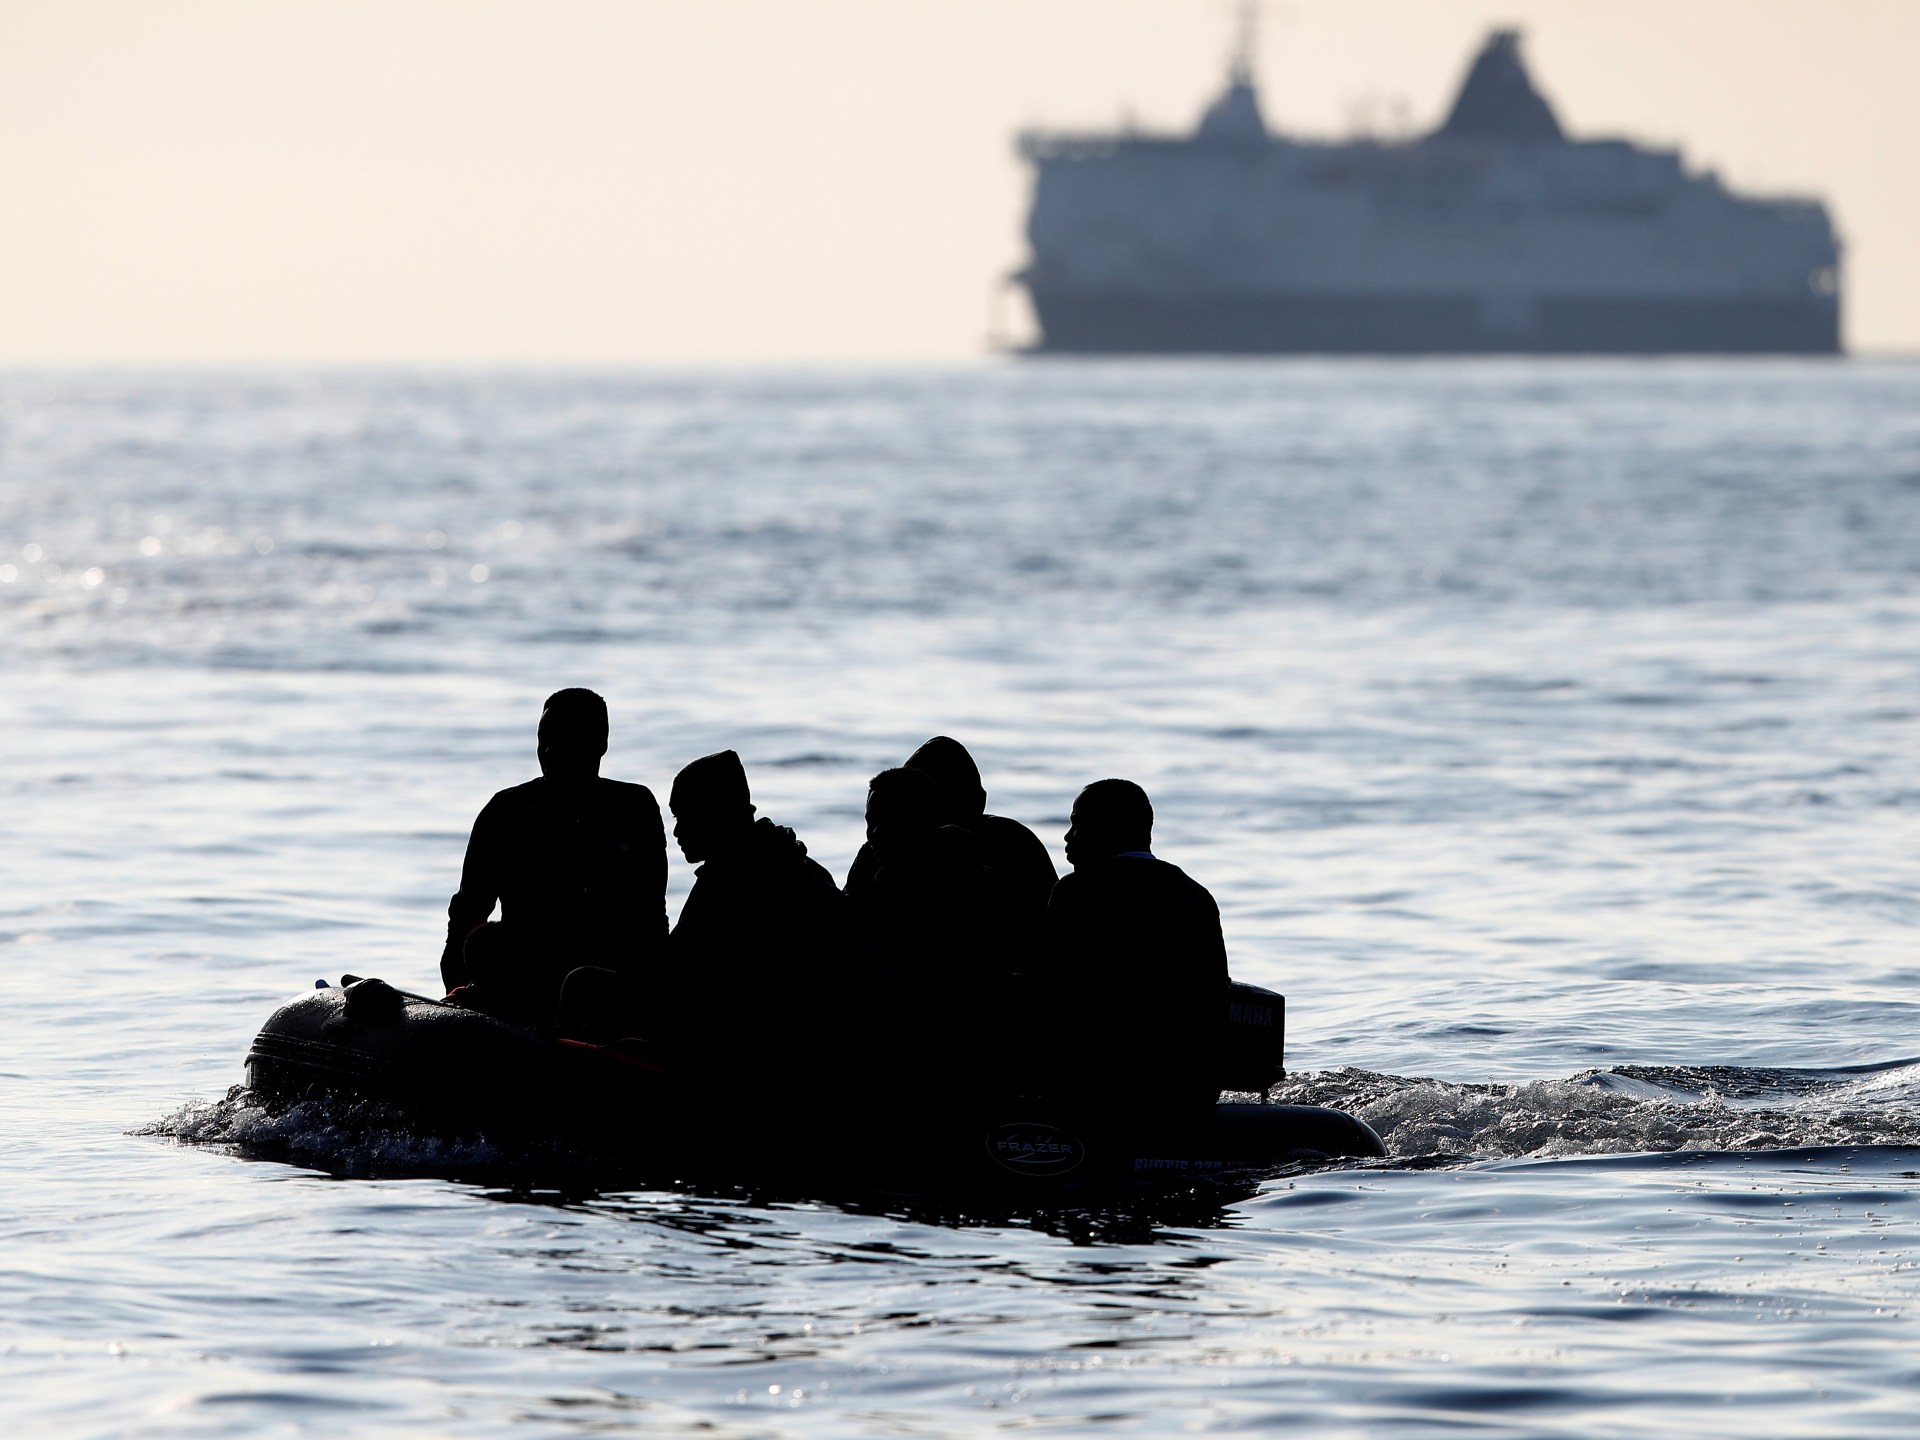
(1254, 1040)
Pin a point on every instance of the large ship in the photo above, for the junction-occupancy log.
(1496, 232)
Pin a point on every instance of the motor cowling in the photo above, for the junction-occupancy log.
(1253, 1049)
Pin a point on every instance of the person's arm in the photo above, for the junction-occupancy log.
(473, 902)
(860, 875)
(1029, 878)
(1204, 987)
(1056, 958)
(653, 844)
(679, 982)
(1056, 969)
(1214, 960)
(1036, 865)
(630, 903)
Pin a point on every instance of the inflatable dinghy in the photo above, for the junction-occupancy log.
(449, 1067)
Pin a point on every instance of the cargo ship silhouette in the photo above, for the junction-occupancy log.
(1496, 232)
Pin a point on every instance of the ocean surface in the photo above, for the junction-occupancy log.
(1549, 733)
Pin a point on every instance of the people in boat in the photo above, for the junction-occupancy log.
(767, 963)
(1020, 870)
(1136, 966)
(576, 862)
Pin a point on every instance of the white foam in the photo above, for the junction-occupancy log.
(1603, 1112)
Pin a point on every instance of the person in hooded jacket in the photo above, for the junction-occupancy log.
(928, 897)
(577, 864)
(936, 913)
(1021, 872)
(766, 965)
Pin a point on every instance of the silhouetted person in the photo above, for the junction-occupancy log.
(1136, 964)
(766, 963)
(577, 863)
(929, 900)
(1022, 871)
(936, 912)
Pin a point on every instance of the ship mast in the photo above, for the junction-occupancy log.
(1235, 117)
(1246, 43)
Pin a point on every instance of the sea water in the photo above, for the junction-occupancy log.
(1549, 733)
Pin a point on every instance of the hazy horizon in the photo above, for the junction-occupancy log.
(480, 183)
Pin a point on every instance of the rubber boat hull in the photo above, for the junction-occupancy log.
(451, 1068)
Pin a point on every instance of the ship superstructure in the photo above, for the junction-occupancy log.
(1494, 232)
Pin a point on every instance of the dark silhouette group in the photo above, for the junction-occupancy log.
(953, 954)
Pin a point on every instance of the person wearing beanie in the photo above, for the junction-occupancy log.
(577, 864)
(1020, 870)
(766, 965)
(1137, 966)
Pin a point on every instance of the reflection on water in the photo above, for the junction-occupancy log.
(1546, 733)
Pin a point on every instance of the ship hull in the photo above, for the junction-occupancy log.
(1093, 323)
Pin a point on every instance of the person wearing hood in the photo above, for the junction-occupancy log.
(766, 960)
(1021, 872)
(930, 901)
(576, 862)
(934, 910)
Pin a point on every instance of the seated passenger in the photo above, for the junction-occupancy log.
(936, 913)
(929, 901)
(577, 863)
(1022, 871)
(1136, 965)
(766, 961)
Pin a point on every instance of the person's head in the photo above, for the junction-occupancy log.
(573, 734)
(712, 807)
(1110, 817)
(903, 808)
(962, 797)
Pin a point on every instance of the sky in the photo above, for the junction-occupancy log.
(664, 182)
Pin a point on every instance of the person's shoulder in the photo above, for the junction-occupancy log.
(1004, 831)
(1149, 871)
(1153, 865)
(1104, 889)
(1006, 825)
(626, 792)
(865, 867)
(1175, 878)
(514, 797)
(957, 845)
